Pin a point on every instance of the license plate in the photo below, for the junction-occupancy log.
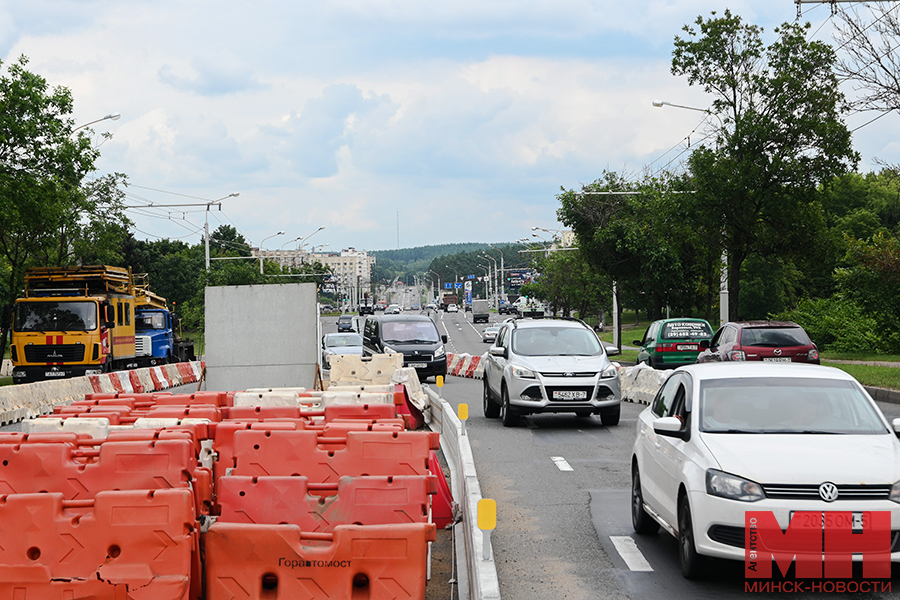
(777, 359)
(686, 347)
(838, 519)
(54, 374)
(417, 365)
(569, 395)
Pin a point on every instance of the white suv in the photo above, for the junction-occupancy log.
(550, 365)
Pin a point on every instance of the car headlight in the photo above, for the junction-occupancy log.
(895, 493)
(389, 350)
(609, 372)
(439, 352)
(726, 485)
(522, 372)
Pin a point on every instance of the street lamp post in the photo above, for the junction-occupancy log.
(723, 285)
(281, 250)
(502, 273)
(438, 275)
(261, 250)
(494, 284)
(206, 223)
(109, 117)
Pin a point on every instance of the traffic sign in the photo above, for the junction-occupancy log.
(459, 286)
(448, 286)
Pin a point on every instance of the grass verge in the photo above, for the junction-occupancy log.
(883, 377)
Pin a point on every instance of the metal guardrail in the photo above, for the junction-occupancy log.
(476, 576)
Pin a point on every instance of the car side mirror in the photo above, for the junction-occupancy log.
(637, 342)
(613, 351)
(444, 338)
(498, 351)
(670, 427)
(896, 424)
(704, 344)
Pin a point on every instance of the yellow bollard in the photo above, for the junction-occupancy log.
(439, 380)
(463, 410)
(487, 522)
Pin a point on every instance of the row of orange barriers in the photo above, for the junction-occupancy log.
(297, 503)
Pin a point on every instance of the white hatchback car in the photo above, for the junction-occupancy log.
(724, 438)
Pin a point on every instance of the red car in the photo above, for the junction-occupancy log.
(769, 341)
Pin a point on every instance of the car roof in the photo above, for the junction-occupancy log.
(528, 322)
(402, 318)
(761, 370)
(342, 334)
(743, 324)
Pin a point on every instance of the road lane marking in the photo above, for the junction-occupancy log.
(630, 553)
(561, 463)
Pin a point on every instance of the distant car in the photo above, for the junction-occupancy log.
(393, 309)
(431, 306)
(366, 309)
(785, 440)
(490, 334)
(452, 308)
(550, 365)
(468, 307)
(326, 308)
(671, 343)
(504, 309)
(768, 341)
(340, 344)
(380, 306)
(345, 323)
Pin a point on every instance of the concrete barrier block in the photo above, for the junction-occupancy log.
(97, 428)
(271, 399)
(330, 398)
(377, 370)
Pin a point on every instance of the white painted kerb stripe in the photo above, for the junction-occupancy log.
(561, 463)
(629, 552)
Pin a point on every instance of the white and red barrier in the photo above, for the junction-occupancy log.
(466, 365)
(23, 401)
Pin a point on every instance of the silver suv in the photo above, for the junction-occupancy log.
(550, 365)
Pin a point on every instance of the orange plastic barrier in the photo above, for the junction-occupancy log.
(82, 471)
(17, 437)
(142, 397)
(321, 507)
(360, 411)
(223, 444)
(122, 544)
(197, 411)
(215, 398)
(279, 561)
(442, 505)
(324, 460)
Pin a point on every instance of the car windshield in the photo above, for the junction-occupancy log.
(686, 330)
(774, 337)
(410, 332)
(787, 405)
(339, 341)
(150, 321)
(555, 341)
(56, 316)
(344, 319)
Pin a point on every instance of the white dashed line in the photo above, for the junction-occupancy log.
(630, 553)
(561, 463)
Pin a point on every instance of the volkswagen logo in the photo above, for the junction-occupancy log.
(828, 492)
(570, 374)
(777, 351)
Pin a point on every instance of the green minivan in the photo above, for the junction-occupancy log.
(670, 343)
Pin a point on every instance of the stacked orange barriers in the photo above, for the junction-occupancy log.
(298, 503)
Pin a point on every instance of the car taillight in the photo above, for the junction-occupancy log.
(813, 354)
(735, 355)
(665, 347)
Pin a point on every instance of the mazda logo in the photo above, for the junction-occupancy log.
(828, 492)
(777, 351)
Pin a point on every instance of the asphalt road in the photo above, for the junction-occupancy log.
(556, 528)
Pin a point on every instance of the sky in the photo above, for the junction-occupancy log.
(390, 123)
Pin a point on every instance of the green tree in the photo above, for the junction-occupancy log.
(48, 213)
(780, 136)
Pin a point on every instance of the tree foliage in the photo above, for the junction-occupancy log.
(780, 136)
(50, 212)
